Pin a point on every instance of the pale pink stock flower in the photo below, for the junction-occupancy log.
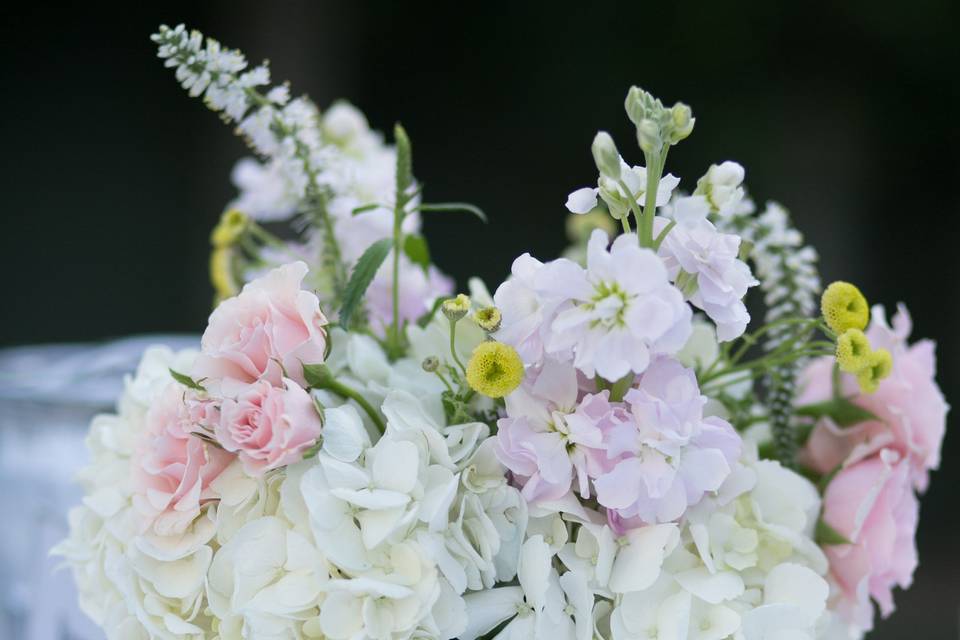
(696, 248)
(172, 468)
(268, 331)
(267, 426)
(669, 454)
(621, 310)
(549, 438)
(872, 504)
(909, 405)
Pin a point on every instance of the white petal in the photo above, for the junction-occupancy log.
(638, 563)
(582, 200)
(487, 609)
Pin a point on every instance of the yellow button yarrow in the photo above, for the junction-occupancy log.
(488, 318)
(880, 366)
(853, 351)
(456, 308)
(233, 223)
(844, 307)
(495, 369)
(221, 273)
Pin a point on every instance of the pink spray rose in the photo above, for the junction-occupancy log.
(172, 467)
(910, 406)
(872, 504)
(267, 426)
(269, 330)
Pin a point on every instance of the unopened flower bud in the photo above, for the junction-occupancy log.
(605, 155)
(430, 364)
(233, 223)
(488, 318)
(681, 122)
(456, 308)
(648, 136)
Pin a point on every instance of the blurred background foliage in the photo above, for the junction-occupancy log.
(846, 112)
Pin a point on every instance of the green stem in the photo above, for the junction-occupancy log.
(394, 338)
(655, 165)
(453, 346)
(344, 391)
(766, 361)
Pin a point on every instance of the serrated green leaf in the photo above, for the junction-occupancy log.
(363, 273)
(841, 410)
(365, 208)
(827, 535)
(186, 380)
(416, 248)
(452, 207)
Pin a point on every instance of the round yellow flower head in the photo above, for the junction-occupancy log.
(844, 307)
(221, 273)
(495, 369)
(488, 318)
(880, 366)
(456, 308)
(853, 351)
(232, 224)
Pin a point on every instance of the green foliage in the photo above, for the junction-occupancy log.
(363, 273)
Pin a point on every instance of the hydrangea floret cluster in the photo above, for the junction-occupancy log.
(603, 448)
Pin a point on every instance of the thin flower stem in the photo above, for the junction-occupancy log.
(453, 346)
(344, 391)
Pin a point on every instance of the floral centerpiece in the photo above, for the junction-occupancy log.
(605, 447)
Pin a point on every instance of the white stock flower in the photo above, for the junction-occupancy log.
(265, 193)
(616, 197)
(722, 187)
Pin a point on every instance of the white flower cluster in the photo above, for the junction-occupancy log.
(568, 459)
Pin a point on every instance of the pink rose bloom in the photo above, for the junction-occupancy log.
(172, 467)
(549, 437)
(269, 330)
(267, 426)
(872, 504)
(910, 406)
(668, 455)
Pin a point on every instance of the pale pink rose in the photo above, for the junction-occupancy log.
(269, 330)
(172, 466)
(872, 504)
(268, 427)
(910, 406)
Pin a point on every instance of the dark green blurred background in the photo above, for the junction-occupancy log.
(845, 112)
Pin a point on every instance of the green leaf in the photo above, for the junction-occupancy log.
(827, 535)
(363, 273)
(454, 207)
(843, 412)
(404, 164)
(416, 248)
(425, 319)
(365, 208)
(317, 376)
(186, 381)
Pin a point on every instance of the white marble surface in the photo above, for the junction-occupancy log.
(47, 396)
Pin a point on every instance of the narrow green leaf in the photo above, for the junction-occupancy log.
(425, 319)
(841, 410)
(827, 535)
(365, 208)
(416, 248)
(363, 273)
(454, 207)
(186, 381)
(404, 163)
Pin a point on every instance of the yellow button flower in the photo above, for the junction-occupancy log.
(879, 367)
(230, 228)
(495, 369)
(853, 351)
(844, 307)
(488, 319)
